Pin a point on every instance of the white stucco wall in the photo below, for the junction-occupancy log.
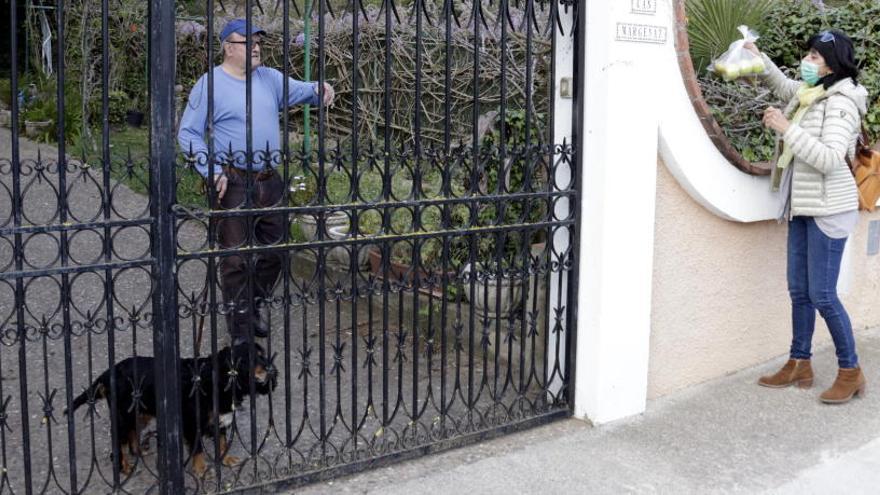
(719, 293)
(682, 275)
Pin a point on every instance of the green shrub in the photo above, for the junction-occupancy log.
(117, 105)
(509, 212)
(712, 25)
(792, 22)
(5, 93)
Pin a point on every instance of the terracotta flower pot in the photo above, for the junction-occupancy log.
(403, 273)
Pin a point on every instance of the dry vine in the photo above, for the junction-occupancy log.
(371, 73)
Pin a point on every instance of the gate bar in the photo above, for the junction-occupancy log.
(166, 347)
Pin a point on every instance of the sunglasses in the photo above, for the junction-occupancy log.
(826, 36)
(253, 42)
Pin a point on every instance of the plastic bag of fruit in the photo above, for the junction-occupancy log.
(737, 61)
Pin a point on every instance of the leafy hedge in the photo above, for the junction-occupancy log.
(792, 22)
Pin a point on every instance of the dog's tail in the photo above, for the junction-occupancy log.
(97, 390)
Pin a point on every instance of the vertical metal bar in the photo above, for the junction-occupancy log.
(416, 196)
(23, 390)
(65, 278)
(548, 188)
(338, 364)
(50, 468)
(577, 165)
(19, 258)
(211, 278)
(529, 14)
(250, 220)
(447, 193)
(527, 157)
(386, 107)
(4, 479)
(285, 143)
(108, 240)
(475, 192)
(16, 214)
(386, 194)
(322, 199)
(501, 185)
(166, 346)
(399, 355)
(354, 230)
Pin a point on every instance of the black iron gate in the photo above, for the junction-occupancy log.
(391, 279)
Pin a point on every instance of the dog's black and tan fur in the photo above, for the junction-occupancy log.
(136, 398)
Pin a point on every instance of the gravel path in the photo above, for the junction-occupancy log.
(360, 373)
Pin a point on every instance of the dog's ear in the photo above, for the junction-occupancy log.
(224, 353)
(241, 350)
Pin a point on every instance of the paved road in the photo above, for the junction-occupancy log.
(726, 436)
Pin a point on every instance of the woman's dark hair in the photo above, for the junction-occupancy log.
(837, 50)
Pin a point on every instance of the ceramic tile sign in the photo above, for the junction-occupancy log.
(641, 33)
(647, 7)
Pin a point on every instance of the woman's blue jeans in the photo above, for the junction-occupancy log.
(813, 267)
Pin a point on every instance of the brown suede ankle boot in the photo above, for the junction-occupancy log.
(795, 371)
(849, 383)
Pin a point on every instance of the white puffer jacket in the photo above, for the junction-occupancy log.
(822, 183)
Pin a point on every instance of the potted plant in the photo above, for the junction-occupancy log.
(401, 268)
(39, 115)
(498, 271)
(302, 193)
(341, 255)
(38, 118)
(5, 117)
(133, 116)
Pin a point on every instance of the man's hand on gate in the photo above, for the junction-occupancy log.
(220, 185)
(329, 94)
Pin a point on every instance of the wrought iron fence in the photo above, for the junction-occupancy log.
(360, 293)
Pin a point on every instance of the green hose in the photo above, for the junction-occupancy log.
(307, 141)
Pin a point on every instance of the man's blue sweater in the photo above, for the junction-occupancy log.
(230, 129)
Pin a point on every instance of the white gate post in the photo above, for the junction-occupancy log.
(618, 142)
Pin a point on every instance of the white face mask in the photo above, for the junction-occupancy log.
(809, 72)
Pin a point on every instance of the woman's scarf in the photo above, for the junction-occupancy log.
(807, 95)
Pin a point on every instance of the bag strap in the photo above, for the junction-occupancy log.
(860, 149)
(861, 141)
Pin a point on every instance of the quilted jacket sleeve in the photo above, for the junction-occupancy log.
(783, 87)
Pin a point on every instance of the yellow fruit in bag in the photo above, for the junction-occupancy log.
(737, 61)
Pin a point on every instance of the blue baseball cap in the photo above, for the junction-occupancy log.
(239, 26)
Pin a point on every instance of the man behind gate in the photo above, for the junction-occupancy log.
(233, 170)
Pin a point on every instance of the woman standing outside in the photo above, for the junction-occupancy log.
(818, 131)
